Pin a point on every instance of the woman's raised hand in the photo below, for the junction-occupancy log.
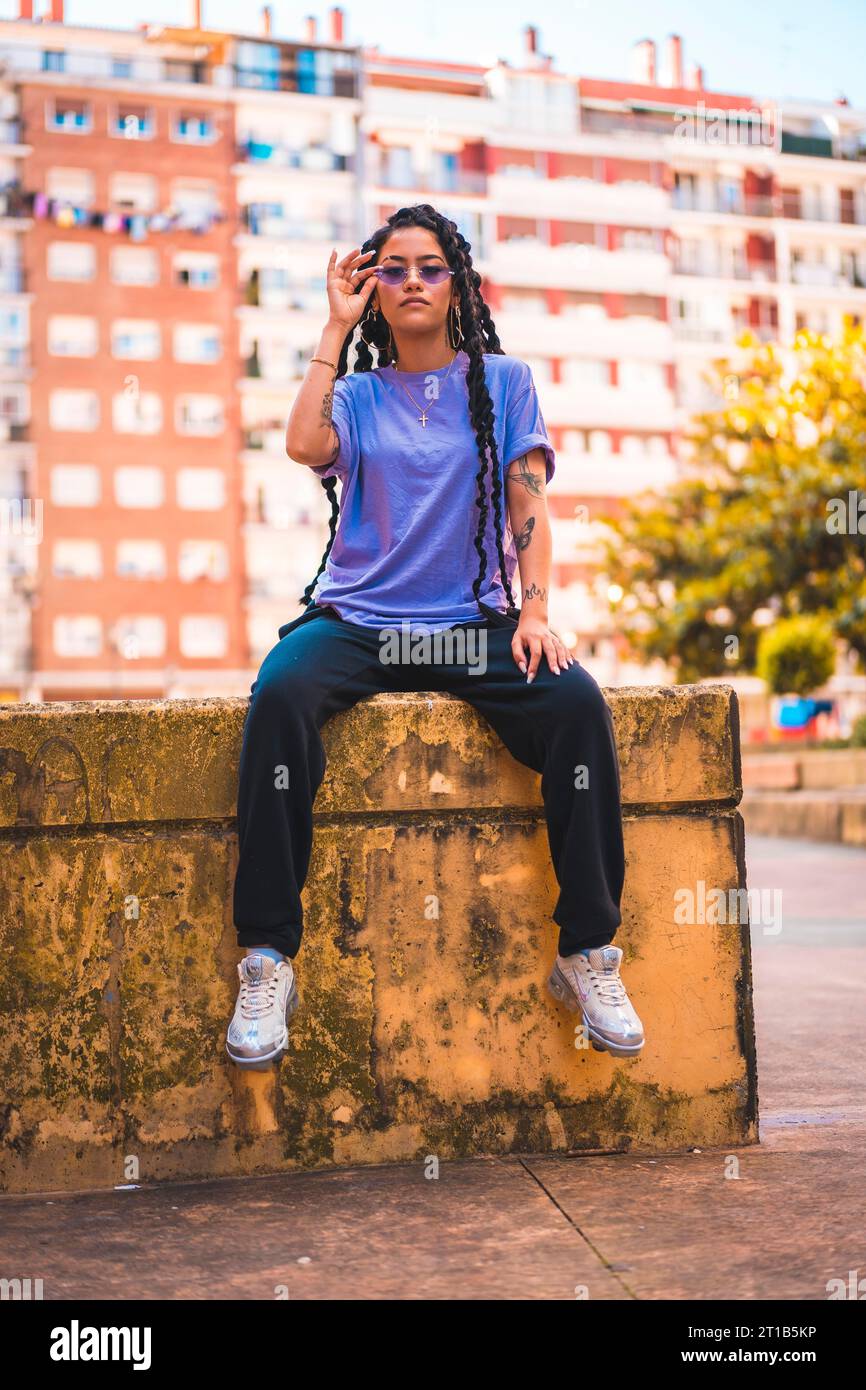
(349, 287)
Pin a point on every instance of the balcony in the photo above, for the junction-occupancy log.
(308, 159)
(737, 204)
(782, 204)
(728, 270)
(701, 333)
(12, 279)
(297, 77)
(273, 220)
(416, 181)
(825, 146)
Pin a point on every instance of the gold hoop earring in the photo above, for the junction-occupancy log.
(391, 348)
(455, 311)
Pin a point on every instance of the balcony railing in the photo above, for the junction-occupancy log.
(273, 221)
(291, 78)
(737, 204)
(436, 180)
(737, 270)
(312, 159)
(763, 205)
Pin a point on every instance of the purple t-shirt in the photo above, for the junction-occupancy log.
(404, 546)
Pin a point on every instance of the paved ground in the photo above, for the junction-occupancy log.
(624, 1227)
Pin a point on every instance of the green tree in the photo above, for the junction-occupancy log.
(796, 655)
(768, 520)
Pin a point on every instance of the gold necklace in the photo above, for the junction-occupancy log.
(422, 418)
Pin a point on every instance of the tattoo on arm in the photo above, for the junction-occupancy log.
(525, 477)
(524, 536)
(533, 591)
(334, 453)
(326, 406)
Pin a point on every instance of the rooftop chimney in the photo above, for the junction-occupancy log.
(675, 61)
(696, 77)
(643, 62)
(196, 14)
(56, 15)
(310, 28)
(25, 9)
(267, 19)
(335, 15)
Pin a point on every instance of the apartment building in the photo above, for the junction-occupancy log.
(172, 196)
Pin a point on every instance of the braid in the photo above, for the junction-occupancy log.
(479, 336)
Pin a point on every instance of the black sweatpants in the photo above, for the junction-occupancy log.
(557, 725)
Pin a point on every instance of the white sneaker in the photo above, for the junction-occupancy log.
(591, 983)
(258, 1034)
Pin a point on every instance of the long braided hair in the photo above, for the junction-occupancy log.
(479, 336)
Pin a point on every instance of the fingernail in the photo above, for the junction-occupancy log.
(529, 679)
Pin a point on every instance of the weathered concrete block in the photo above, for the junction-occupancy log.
(414, 1036)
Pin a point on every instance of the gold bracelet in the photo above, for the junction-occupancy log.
(326, 362)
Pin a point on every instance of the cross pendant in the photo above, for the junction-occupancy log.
(422, 419)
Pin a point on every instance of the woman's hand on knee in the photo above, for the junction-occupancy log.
(532, 636)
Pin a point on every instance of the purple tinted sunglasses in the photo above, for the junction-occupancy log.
(397, 274)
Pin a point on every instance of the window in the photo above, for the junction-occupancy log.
(136, 339)
(203, 635)
(70, 260)
(134, 265)
(73, 410)
(13, 325)
(53, 60)
(197, 342)
(141, 559)
(642, 376)
(631, 446)
(75, 485)
(121, 68)
(540, 368)
(132, 121)
(197, 269)
(138, 486)
(14, 404)
(193, 127)
(72, 335)
(139, 635)
(202, 560)
(69, 114)
(132, 192)
(639, 239)
(78, 634)
(199, 415)
(201, 489)
(525, 301)
(588, 371)
(137, 412)
(73, 186)
(76, 559)
(195, 200)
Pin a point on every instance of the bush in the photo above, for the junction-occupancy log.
(858, 732)
(796, 655)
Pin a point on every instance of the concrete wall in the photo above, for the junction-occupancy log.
(810, 793)
(415, 1036)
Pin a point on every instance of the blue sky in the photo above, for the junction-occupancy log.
(793, 48)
